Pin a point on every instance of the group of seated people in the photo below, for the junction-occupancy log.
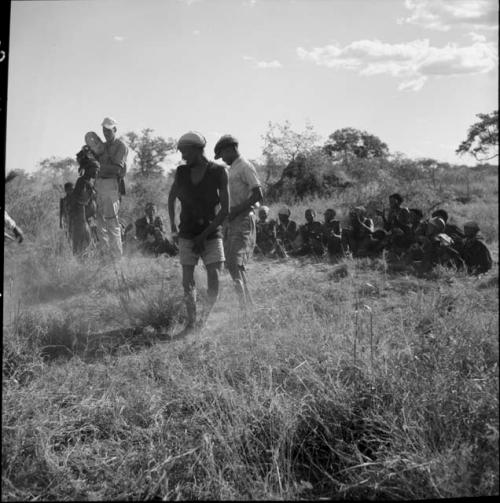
(407, 239)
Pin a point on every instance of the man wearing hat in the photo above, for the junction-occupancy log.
(113, 162)
(475, 253)
(202, 189)
(244, 191)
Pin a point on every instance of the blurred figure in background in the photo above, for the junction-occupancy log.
(265, 243)
(358, 232)
(11, 226)
(332, 234)
(286, 232)
(310, 238)
(64, 209)
(475, 253)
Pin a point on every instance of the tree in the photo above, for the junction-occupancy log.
(282, 145)
(482, 138)
(350, 142)
(150, 152)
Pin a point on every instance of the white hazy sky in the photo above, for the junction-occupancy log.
(412, 72)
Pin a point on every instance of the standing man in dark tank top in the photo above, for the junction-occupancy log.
(202, 189)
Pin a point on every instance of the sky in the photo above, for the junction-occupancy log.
(413, 72)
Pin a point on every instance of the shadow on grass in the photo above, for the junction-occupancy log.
(96, 346)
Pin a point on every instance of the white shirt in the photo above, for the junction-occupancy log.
(242, 179)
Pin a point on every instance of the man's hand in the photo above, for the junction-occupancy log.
(19, 234)
(199, 243)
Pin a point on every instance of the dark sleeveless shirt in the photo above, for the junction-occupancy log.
(199, 203)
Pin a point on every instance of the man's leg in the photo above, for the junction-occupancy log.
(115, 236)
(102, 232)
(213, 271)
(189, 294)
(248, 296)
(235, 272)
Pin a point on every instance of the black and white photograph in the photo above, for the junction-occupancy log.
(250, 250)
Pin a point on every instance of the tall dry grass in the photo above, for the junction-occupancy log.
(343, 382)
(366, 386)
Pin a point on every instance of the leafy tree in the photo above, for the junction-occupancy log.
(150, 152)
(57, 170)
(353, 143)
(282, 145)
(482, 138)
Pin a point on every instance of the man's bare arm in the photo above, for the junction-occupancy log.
(172, 196)
(255, 197)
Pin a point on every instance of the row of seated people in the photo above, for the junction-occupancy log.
(407, 238)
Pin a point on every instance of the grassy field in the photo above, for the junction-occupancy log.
(343, 382)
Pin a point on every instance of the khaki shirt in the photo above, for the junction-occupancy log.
(114, 159)
(242, 179)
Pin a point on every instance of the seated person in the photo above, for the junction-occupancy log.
(391, 220)
(402, 234)
(474, 252)
(310, 238)
(265, 241)
(434, 248)
(376, 243)
(150, 235)
(416, 217)
(357, 234)
(453, 231)
(286, 232)
(332, 234)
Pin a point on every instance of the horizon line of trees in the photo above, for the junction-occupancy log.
(295, 163)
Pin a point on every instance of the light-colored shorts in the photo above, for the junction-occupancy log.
(213, 252)
(239, 240)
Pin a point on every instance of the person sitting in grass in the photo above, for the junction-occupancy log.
(392, 219)
(375, 244)
(452, 230)
(474, 252)
(416, 217)
(310, 236)
(265, 242)
(332, 234)
(357, 234)
(402, 235)
(286, 232)
(150, 233)
(435, 248)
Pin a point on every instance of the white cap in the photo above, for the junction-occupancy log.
(109, 123)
